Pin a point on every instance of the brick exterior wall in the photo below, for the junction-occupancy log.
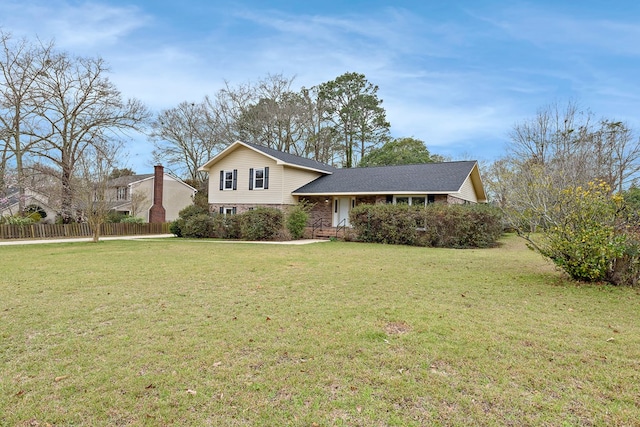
(321, 209)
(453, 200)
(243, 207)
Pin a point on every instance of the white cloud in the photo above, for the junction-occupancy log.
(83, 28)
(547, 28)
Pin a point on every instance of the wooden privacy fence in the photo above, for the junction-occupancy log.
(43, 231)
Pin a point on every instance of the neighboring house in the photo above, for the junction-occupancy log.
(33, 201)
(245, 175)
(140, 195)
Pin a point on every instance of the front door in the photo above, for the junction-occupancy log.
(341, 208)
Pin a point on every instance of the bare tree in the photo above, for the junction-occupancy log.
(616, 152)
(21, 65)
(90, 183)
(560, 148)
(183, 139)
(224, 109)
(275, 117)
(78, 108)
(574, 148)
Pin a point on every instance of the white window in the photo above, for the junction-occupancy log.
(259, 179)
(412, 200)
(228, 180)
(225, 210)
(122, 193)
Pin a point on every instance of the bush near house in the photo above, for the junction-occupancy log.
(436, 225)
(198, 226)
(261, 224)
(179, 224)
(386, 223)
(226, 227)
(297, 218)
(257, 224)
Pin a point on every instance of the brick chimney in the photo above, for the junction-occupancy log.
(157, 212)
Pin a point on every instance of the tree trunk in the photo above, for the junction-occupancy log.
(66, 202)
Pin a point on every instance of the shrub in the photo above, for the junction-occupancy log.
(35, 216)
(192, 210)
(226, 227)
(128, 219)
(393, 224)
(460, 226)
(437, 225)
(588, 237)
(198, 226)
(261, 224)
(31, 209)
(19, 220)
(113, 217)
(297, 218)
(177, 226)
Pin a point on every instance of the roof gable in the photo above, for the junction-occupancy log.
(279, 157)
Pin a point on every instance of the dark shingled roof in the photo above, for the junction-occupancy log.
(292, 159)
(422, 178)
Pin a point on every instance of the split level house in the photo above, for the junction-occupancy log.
(156, 197)
(244, 176)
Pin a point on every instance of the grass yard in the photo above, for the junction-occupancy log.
(202, 333)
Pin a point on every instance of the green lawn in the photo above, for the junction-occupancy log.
(202, 333)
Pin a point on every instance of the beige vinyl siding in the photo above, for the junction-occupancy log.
(143, 189)
(467, 192)
(175, 197)
(293, 179)
(282, 180)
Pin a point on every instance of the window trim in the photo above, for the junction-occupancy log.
(425, 197)
(122, 193)
(227, 210)
(233, 181)
(253, 178)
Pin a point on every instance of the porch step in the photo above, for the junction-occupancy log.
(325, 233)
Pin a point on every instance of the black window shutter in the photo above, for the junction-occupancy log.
(389, 198)
(221, 180)
(251, 179)
(235, 179)
(233, 210)
(221, 210)
(266, 178)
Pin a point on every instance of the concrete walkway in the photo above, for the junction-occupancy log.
(147, 236)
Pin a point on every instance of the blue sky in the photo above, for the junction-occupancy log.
(456, 74)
